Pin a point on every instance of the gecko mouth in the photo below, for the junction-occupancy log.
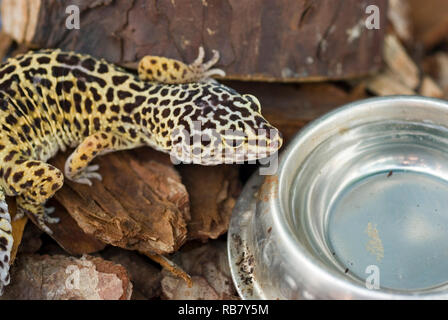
(233, 151)
(235, 148)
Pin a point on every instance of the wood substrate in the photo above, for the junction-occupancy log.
(311, 40)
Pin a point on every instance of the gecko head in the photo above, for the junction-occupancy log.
(249, 133)
(224, 127)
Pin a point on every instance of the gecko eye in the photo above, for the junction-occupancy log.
(232, 142)
(235, 140)
(254, 103)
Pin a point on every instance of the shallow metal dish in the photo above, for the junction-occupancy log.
(360, 193)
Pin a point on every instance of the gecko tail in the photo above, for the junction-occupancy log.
(6, 241)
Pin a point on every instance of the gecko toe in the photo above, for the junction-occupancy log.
(83, 181)
(52, 220)
(49, 210)
(85, 176)
(203, 69)
(93, 167)
(47, 218)
(19, 215)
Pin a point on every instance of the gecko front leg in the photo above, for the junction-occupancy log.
(171, 71)
(33, 182)
(77, 166)
(38, 212)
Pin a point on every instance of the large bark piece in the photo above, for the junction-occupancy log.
(286, 40)
(141, 203)
(58, 277)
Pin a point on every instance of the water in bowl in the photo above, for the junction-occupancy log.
(377, 195)
(397, 222)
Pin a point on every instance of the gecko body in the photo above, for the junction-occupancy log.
(52, 100)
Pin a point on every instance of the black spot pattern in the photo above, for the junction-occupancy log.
(71, 96)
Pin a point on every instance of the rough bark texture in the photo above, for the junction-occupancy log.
(70, 236)
(67, 278)
(285, 40)
(141, 203)
(213, 192)
(210, 275)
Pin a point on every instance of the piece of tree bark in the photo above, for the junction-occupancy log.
(5, 44)
(387, 84)
(400, 63)
(210, 274)
(60, 277)
(285, 40)
(70, 236)
(141, 203)
(437, 67)
(429, 88)
(400, 18)
(401, 76)
(145, 277)
(213, 192)
(430, 21)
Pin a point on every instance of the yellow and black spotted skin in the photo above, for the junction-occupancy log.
(51, 100)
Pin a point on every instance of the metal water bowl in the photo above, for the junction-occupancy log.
(358, 208)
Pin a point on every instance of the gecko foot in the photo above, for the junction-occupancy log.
(19, 215)
(47, 212)
(90, 172)
(45, 218)
(202, 69)
(42, 216)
